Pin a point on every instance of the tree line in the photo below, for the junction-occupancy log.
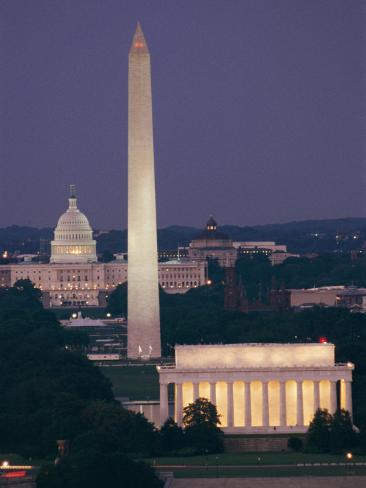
(50, 393)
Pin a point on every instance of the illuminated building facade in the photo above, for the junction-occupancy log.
(88, 285)
(179, 276)
(258, 388)
(213, 244)
(76, 279)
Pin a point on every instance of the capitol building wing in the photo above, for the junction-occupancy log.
(260, 388)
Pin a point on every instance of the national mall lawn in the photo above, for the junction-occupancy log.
(262, 464)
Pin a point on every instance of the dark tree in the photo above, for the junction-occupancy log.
(28, 289)
(295, 443)
(199, 412)
(107, 257)
(331, 433)
(50, 391)
(214, 271)
(318, 434)
(201, 422)
(110, 426)
(117, 301)
(172, 436)
(342, 433)
(95, 469)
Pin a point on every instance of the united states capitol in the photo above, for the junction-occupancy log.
(74, 277)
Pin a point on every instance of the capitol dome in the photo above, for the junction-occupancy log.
(73, 237)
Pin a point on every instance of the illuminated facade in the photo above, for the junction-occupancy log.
(87, 285)
(143, 312)
(258, 388)
(181, 276)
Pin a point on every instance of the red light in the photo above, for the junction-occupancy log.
(14, 474)
(139, 44)
(323, 340)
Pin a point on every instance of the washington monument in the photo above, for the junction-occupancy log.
(143, 289)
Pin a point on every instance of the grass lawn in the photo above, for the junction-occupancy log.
(133, 382)
(273, 472)
(246, 459)
(269, 465)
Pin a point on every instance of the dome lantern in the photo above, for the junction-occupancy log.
(211, 224)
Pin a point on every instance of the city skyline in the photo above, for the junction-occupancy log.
(257, 111)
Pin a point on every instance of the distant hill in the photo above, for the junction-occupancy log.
(23, 239)
(327, 225)
(300, 236)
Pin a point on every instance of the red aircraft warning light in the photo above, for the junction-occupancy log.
(323, 340)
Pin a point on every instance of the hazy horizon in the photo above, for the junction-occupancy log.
(220, 224)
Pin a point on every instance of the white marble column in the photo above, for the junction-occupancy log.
(283, 413)
(265, 404)
(300, 404)
(179, 402)
(316, 395)
(333, 396)
(230, 404)
(248, 405)
(196, 393)
(348, 399)
(164, 407)
(213, 393)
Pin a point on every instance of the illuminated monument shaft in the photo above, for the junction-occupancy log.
(143, 288)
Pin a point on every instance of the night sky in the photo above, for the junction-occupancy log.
(259, 109)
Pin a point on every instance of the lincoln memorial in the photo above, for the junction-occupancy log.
(258, 388)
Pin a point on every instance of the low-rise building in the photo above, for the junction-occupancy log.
(329, 296)
(278, 257)
(258, 247)
(179, 276)
(353, 298)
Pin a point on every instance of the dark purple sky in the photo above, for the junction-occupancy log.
(259, 109)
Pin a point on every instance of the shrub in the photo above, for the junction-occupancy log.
(295, 443)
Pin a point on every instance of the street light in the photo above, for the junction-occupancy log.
(349, 457)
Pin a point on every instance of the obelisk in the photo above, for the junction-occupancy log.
(143, 316)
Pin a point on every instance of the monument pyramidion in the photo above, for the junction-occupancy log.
(143, 312)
